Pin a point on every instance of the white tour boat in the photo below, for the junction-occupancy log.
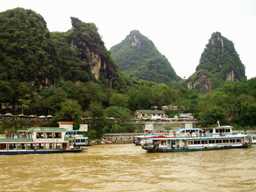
(42, 140)
(195, 139)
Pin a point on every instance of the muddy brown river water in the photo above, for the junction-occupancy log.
(129, 168)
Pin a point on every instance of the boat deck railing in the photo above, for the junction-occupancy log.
(193, 135)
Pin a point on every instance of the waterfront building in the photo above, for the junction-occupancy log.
(150, 115)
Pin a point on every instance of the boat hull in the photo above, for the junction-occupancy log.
(166, 150)
(19, 152)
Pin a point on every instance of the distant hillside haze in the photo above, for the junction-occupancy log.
(219, 62)
(138, 57)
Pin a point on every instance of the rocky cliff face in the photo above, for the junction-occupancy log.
(200, 81)
(85, 38)
(219, 62)
(137, 56)
(95, 64)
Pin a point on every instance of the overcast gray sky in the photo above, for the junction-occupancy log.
(180, 29)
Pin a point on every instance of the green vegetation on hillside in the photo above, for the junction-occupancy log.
(26, 51)
(29, 53)
(44, 73)
(71, 66)
(220, 58)
(219, 62)
(138, 57)
(234, 103)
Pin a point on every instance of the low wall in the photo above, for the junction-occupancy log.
(119, 138)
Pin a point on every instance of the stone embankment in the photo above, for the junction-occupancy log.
(119, 138)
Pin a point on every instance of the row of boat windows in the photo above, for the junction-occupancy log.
(48, 135)
(212, 141)
(221, 131)
(33, 146)
(215, 141)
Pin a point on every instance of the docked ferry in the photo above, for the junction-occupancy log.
(42, 140)
(196, 139)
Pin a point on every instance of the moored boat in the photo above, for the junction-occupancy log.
(41, 141)
(196, 142)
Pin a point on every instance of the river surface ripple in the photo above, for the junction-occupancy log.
(129, 168)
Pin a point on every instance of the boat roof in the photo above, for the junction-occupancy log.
(15, 140)
(46, 129)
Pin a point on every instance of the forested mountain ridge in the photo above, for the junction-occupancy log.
(30, 53)
(137, 56)
(35, 63)
(26, 51)
(219, 62)
(71, 74)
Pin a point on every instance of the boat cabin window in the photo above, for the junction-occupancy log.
(196, 142)
(222, 130)
(39, 135)
(2, 146)
(238, 140)
(211, 141)
(204, 141)
(163, 142)
(49, 135)
(80, 140)
(57, 135)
